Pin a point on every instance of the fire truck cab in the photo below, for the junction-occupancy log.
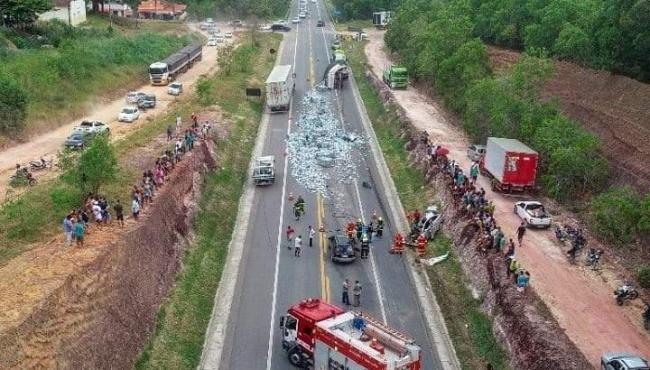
(319, 335)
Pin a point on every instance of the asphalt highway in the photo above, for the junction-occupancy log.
(270, 277)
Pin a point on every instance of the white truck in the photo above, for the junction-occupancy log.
(381, 19)
(279, 88)
(264, 170)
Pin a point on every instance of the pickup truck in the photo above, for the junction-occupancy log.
(264, 170)
(147, 102)
(92, 127)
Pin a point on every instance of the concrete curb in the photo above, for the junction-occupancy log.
(428, 303)
(218, 326)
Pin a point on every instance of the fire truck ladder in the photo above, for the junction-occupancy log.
(385, 328)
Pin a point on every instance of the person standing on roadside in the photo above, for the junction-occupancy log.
(290, 233)
(170, 131)
(178, 123)
(79, 232)
(356, 293)
(346, 292)
(511, 249)
(521, 230)
(68, 228)
(312, 233)
(298, 246)
(135, 208)
(119, 213)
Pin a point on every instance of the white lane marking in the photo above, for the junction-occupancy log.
(373, 266)
(269, 352)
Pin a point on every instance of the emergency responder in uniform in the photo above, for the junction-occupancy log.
(380, 227)
(365, 245)
(299, 208)
(350, 229)
(359, 229)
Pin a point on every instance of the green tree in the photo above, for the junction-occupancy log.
(22, 12)
(91, 169)
(573, 43)
(13, 105)
(615, 214)
(204, 92)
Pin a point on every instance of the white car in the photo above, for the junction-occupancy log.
(533, 213)
(212, 41)
(175, 88)
(302, 15)
(219, 37)
(209, 20)
(313, 1)
(93, 127)
(133, 96)
(227, 35)
(475, 152)
(129, 114)
(295, 20)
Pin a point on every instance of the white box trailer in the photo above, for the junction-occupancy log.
(381, 19)
(279, 88)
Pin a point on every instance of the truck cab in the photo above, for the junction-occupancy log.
(396, 77)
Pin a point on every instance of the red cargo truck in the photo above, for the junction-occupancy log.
(510, 164)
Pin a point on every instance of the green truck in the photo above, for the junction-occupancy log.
(396, 77)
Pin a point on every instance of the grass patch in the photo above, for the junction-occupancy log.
(183, 319)
(470, 328)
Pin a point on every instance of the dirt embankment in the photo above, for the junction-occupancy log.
(615, 108)
(100, 316)
(522, 322)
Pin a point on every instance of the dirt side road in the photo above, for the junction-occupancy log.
(47, 145)
(581, 301)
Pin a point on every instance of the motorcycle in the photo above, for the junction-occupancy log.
(627, 292)
(40, 165)
(22, 177)
(593, 258)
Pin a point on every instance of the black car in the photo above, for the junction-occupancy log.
(320, 23)
(280, 27)
(340, 249)
(147, 101)
(78, 140)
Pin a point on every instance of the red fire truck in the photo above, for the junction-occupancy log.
(319, 335)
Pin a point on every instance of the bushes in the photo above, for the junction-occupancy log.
(13, 105)
(644, 277)
(621, 215)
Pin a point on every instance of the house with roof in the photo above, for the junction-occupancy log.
(72, 12)
(160, 9)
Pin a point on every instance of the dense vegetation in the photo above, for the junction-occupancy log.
(621, 215)
(609, 34)
(77, 62)
(437, 44)
(244, 9)
(361, 9)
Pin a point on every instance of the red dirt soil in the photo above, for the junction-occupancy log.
(615, 108)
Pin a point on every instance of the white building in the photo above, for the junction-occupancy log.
(71, 12)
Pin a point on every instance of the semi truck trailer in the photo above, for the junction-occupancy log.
(164, 72)
(510, 164)
(279, 88)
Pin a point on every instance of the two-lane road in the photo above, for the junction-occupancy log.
(271, 278)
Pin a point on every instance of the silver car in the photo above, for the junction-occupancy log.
(475, 152)
(623, 361)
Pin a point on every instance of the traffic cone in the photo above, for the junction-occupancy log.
(290, 197)
(321, 229)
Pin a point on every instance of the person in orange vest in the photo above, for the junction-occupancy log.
(398, 244)
(422, 245)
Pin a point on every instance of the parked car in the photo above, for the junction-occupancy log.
(227, 35)
(623, 361)
(219, 37)
(147, 102)
(340, 249)
(475, 152)
(266, 27)
(320, 23)
(78, 140)
(280, 27)
(133, 96)
(129, 114)
(236, 23)
(533, 213)
(336, 44)
(175, 88)
(212, 41)
(302, 15)
(296, 20)
(429, 223)
(94, 127)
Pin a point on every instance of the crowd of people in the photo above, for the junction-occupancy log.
(96, 208)
(471, 201)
